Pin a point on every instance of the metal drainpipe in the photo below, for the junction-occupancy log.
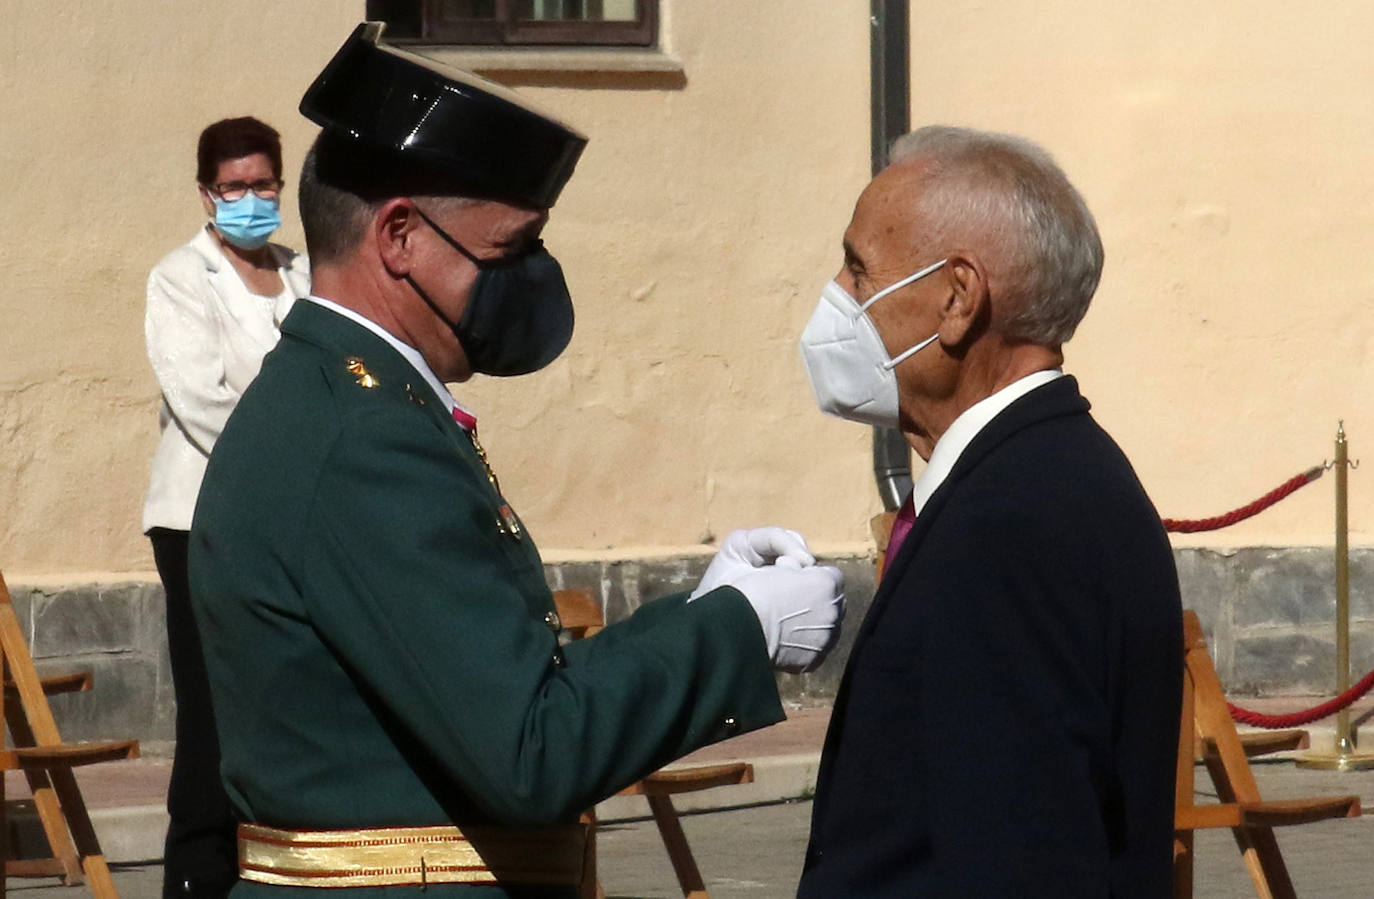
(890, 98)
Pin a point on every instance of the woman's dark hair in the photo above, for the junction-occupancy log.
(234, 139)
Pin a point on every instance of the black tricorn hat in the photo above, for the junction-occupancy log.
(460, 126)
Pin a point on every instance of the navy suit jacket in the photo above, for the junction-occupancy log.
(1008, 719)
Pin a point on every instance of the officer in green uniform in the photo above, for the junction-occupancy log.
(394, 707)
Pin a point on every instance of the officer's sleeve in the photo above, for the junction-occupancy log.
(439, 616)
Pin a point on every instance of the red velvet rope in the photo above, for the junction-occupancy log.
(1307, 716)
(1187, 526)
(1247, 716)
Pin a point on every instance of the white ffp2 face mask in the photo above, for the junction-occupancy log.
(850, 371)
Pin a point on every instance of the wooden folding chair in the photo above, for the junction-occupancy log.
(1208, 732)
(47, 762)
(581, 616)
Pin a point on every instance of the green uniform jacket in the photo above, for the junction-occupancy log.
(377, 647)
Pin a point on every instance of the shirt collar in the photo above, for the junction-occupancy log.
(408, 352)
(970, 422)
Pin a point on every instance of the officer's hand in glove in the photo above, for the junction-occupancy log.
(746, 551)
(800, 610)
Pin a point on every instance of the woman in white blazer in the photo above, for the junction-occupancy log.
(214, 308)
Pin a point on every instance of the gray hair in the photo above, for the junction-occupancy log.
(1008, 189)
(342, 187)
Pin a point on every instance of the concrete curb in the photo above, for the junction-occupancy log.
(776, 779)
(135, 833)
(132, 833)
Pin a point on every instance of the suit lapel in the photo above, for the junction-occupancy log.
(1057, 398)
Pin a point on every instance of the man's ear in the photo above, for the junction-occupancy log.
(965, 309)
(393, 225)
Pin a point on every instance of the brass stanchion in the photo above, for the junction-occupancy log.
(1345, 757)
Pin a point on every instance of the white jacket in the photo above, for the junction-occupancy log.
(206, 338)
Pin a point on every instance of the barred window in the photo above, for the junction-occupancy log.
(537, 23)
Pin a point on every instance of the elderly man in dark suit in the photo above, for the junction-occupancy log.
(1007, 722)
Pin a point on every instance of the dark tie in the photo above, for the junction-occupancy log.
(906, 517)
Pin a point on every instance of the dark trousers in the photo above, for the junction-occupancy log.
(201, 855)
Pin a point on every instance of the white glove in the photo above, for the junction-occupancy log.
(746, 551)
(800, 610)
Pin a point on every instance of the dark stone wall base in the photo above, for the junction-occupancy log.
(1269, 616)
(117, 632)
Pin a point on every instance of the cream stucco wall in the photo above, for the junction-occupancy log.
(1222, 146)
(1225, 149)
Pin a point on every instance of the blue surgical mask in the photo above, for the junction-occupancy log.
(248, 221)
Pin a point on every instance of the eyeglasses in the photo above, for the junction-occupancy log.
(265, 188)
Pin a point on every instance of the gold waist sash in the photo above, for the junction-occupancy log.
(392, 856)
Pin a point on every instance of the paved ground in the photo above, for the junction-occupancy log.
(755, 852)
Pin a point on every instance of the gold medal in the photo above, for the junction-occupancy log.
(506, 521)
(355, 367)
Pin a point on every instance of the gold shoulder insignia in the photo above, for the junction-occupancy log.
(410, 394)
(355, 366)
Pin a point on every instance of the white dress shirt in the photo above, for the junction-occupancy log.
(206, 335)
(954, 441)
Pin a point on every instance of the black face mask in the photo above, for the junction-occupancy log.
(519, 317)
